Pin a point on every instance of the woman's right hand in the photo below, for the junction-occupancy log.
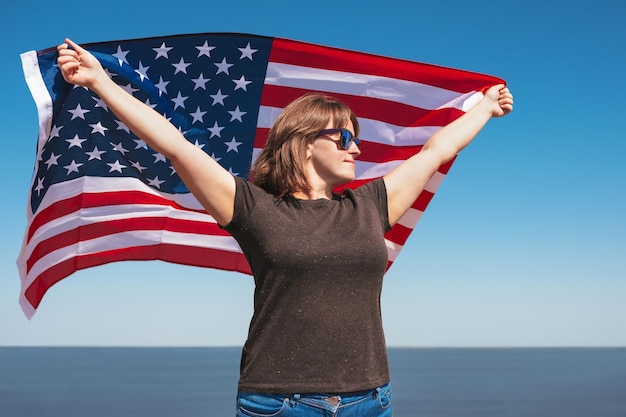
(77, 65)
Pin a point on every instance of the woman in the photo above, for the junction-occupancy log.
(315, 344)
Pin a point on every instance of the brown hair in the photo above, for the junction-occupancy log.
(279, 168)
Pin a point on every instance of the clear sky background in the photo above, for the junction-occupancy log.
(523, 245)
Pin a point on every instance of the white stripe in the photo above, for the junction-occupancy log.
(410, 218)
(407, 92)
(393, 249)
(371, 130)
(101, 214)
(77, 186)
(370, 170)
(127, 240)
(43, 101)
(98, 185)
(435, 181)
(388, 134)
(39, 91)
(27, 309)
(366, 170)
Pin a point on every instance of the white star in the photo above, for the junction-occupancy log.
(223, 67)
(142, 71)
(101, 103)
(242, 83)
(173, 171)
(218, 98)
(95, 154)
(129, 88)
(198, 144)
(122, 126)
(98, 128)
(205, 49)
(75, 141)
(109, 73)
(198, 115)
(162, 51)
(73, 167)
(138, 166)
(121, 55)
(162, 86)
(156, 182)
(179, 101)
(39, 186)
(116, 167)
(78, 112)
(216, 158)
(140, 144)
(233, 145)
(149, 104)
(55, 131)
(247, 52)
(233, 173)
(215, 130)
(236, 114)
(119, 147)
(53, 160)
(158, 157)
(181, 67)
(200, 82)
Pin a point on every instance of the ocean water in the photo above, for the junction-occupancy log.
(193, 382)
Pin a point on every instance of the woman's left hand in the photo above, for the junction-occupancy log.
(501, 99)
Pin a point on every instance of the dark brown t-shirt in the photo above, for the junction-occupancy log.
(318, 266)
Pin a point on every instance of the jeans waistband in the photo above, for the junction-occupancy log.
(333, 402)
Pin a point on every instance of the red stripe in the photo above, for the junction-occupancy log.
(186, 255)
(380, 153)
(445, 168)
(96, 230)
(398, 234)
(260, 137)
(370, 151)
(423, 200)
(420, 203)
(398, 114)
(316, 56)
(89, 200)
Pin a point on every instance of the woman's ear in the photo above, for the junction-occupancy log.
(309, 150)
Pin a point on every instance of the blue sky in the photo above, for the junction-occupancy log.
(523, 245)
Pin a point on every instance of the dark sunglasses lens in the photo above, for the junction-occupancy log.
(346, 138)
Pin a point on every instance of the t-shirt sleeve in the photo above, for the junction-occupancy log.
(243, 204)
(377, 192)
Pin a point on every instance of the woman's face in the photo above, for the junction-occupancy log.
(331, 163)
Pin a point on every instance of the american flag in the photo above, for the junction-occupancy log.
(99, 194)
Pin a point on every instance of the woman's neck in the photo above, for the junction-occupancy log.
(313, 195)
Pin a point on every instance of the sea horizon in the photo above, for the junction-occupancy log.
(160, 381)
(240, 346)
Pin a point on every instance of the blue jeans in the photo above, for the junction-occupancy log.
(372, 403)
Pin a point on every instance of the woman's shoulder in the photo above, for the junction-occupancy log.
(248, 190)
(375, 187)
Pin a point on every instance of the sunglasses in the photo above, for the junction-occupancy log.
(345, 137)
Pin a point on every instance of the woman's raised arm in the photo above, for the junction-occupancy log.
(405, 183)
(212, 185)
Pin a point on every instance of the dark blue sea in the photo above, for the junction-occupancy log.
(194, 382)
